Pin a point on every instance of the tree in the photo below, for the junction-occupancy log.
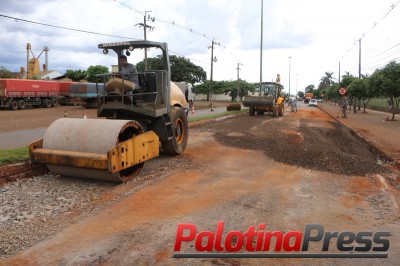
(388, 82)
(327, 80)
(5, 73)
(300, 94)
(181, 69)
(309, 88)
(225, 87)
(347, 74)
(245, 87)
(333, 92)
(358, 89)
(92, 71)
(75, 75)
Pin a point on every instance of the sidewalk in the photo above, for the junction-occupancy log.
(384, 136)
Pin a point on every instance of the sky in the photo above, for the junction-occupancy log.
(302, 39)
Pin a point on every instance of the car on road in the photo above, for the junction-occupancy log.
(313, 102)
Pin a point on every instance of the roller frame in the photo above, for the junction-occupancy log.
(125, 154)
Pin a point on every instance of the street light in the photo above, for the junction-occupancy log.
(213, 59)
(238, 79)
(290, 59)
(261, 44)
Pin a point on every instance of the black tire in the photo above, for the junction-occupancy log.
(275, 111)
(54, 102)
(252, 111)
(281, 110)
(14, 105)
(46, 103)
(180, 130)
(21, 104)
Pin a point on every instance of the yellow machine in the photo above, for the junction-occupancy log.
(267, 99)
(116, 147)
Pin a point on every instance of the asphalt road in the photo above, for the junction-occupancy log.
(20, 138)
(23, 137)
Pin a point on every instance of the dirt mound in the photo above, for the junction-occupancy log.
(331, 148)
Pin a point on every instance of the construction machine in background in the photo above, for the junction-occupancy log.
(186, 88)
(308, 96)
(267, 99)
(134, 124)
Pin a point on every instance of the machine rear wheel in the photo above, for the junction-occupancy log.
(180, 131)
(275, 111)
(252, 111)
(281, 110)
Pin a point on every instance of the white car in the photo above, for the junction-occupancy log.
(313, 102)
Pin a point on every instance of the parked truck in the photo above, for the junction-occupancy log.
(308, 96)
(18, 93)
(267, 99)
(65, 98)
(85, 93)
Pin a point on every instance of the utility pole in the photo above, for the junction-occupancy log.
(297, 84)
(339, 72)
(28, 48)
(213, 59)
(238, 81)
(145, 26)
(261, 45)
(359, 59)
(290, 59)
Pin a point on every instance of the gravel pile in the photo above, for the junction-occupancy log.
(333, 150)
(35, 208)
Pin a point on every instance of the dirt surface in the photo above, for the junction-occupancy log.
(42, 117)
(288, 172)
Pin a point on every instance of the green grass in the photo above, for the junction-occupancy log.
(198, 118)
(14, 155)
(22, 154)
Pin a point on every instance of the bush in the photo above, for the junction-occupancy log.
(234, 107)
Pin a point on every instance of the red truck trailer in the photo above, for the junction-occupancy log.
(65, 98)
(18, 93)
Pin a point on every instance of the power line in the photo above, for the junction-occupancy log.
(383, 51)
(373, 26)
(381, 65)
(173, 23)
(65, 28)
(131, 7)
(384, 16)
(395, 53)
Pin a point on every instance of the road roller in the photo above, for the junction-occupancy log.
(138, 112)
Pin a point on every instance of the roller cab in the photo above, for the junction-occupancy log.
(112, 150)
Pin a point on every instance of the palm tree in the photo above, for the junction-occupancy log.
(327, 80)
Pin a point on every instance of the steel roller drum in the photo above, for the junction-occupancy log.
(96, 136)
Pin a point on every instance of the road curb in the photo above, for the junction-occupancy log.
(13, 172)
(204, 121)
